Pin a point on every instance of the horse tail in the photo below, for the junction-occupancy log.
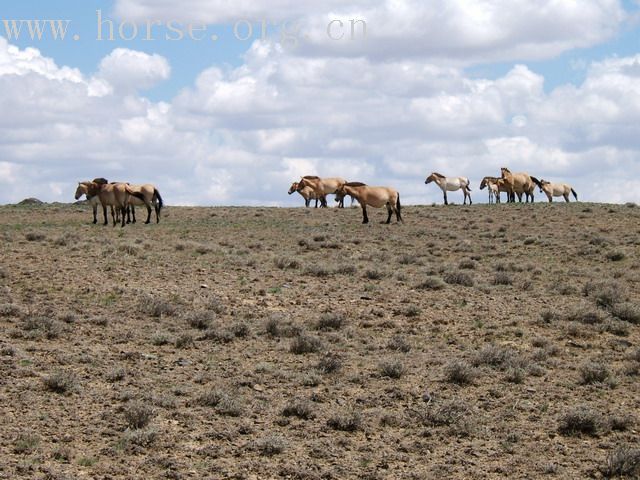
(156, 194)
(536, 181)
(575, 195)
(398, 206)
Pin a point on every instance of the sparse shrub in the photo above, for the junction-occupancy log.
(141, 438)
(216, 305)
(459, 372)
(622, 462)
(549, 316)
(298, 408)
(626, 311)
(317, 271)
(502, 278)
(593, 372)
(26, 443)
(330, 321)
(272, 326)
(230, 406)
(515, 375)
(116, 375)
(285, 263)
(407, 259)
(412, 311)
(219, 335)
(156, 307)
(620, 423)
(330, 363)
(211, 398)
(41, 325)
(302, 344)
(455, 414)
(399, 343)
(458, 278)
(137, 415)
(270, 445)
(392, 369)
(616, 256)
(240, 330)
(63, 382)
(158, 339)
(529, 241)
(467, 265)
(184, 341)
(199, 319)
(343, 269)
(578, 420)
(431, 283)
(606, 294)
(35, 236)
(62, 454)
(10, 310)
(616, 327)
(346, 421)
(374, 274)
(586, 315)
(493, 356)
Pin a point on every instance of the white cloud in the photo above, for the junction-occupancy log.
(130, 70)
(242, 135)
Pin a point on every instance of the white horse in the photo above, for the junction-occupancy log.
(451, 184)
(557, 190)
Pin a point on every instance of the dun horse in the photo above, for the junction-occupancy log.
(322, 187)
(307, 193)
(376, 197)
(519, 183)
(557, 190)
(110, 194)
(451, 184)
(495, 185)
(150, 198)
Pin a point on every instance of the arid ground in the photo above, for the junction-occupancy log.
(471, 342)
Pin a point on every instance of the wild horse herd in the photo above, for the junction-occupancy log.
(124, 197)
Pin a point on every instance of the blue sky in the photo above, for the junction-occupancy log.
(447, 85)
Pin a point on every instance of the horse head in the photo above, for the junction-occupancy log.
(483, 184)
(293, 188)
(82, 189)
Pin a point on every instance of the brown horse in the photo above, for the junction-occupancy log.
(94, 201)
(307, 193)
(519, 183)
(150, 198)
(376, 197)
(110, 194)
(322, 187)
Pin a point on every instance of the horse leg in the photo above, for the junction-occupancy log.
(95, 214)
(104, 214)
(365, 218)
(148, 214)
(389, 213)
(445, 197)
(566, 197)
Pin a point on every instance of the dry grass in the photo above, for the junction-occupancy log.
(294, 343)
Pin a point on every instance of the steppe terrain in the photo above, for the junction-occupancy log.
(470, 342)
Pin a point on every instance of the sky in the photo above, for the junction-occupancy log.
(227, 103)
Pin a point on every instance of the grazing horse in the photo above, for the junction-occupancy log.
(451, 184)
(307, 193)
(150, 197)
(376, 197)
(495, 185)
(557, 190)
(519, 183)
(322, 187)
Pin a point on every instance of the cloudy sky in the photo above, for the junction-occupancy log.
(258, 93)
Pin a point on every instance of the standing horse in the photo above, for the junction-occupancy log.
(495, 185)
(557, 190)
(322, 187)
(93, 201)
(150, 197)
(307, 193)
(451, 184)
(110, 194)
(519, 183)
(376, 197)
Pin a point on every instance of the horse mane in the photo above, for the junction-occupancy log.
(355, 184)
(505, 169)
(311, 177)
(439, 175)
(100, 181)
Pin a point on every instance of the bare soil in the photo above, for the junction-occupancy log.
(470, 342)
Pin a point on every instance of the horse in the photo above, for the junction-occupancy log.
(150, 197)
(519, 183)
(376, 197)
(451, 184)
(94, 201)
(110, 194)
(322, 187)
(307, 193)
(557, 190)
(495, 185)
